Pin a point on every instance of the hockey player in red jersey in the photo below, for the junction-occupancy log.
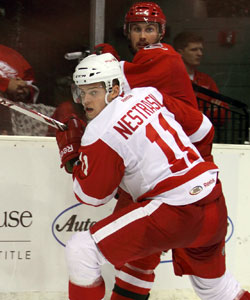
(159, 65)
(118, 148)
(154, 64)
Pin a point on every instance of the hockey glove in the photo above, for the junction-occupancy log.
(69, 141)
(106, 48)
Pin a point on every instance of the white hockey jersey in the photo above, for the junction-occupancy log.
(137, 144)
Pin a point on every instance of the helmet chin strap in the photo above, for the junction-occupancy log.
(106, 98)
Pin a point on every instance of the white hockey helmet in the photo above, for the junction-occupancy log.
(97, 68)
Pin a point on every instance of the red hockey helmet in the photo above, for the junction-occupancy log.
(145, 12)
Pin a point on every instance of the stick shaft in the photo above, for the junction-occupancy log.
(33, 114)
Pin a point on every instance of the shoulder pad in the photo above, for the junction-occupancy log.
(157, 46)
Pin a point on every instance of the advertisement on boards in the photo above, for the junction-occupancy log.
(39, 213)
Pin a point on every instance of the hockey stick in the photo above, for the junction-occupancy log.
(33, 114)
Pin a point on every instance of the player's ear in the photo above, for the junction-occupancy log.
(114, 93)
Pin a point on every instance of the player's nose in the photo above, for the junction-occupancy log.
(142, 34)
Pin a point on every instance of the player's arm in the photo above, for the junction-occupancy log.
(196, 125)
(193, 122)
(162, 70)
(97, 174)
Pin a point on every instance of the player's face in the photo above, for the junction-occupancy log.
(93, 99)
(142, 34)
(192, 54)
(18, 90)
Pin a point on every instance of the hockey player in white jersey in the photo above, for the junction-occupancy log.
(134, 141)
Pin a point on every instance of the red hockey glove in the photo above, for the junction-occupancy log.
(69, 141)
(106, 48)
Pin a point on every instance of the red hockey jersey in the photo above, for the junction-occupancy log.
(162, 67)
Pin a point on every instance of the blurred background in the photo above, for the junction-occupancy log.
(43, 31)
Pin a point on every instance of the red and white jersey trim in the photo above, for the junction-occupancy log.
(130, 217)
(203, 130)
(194, 190)
(82, 197)
(135, 281)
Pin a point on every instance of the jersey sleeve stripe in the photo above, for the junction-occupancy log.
(82, 197)
(202, 131)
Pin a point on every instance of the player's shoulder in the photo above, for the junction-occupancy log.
(201, 76)
(139, 94)
(97, 127)
(160, 51)
(141, 91)
(162, 48)
(100, 126)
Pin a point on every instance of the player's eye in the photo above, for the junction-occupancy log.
(150, 29)
(136, 29)
(93, 93)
